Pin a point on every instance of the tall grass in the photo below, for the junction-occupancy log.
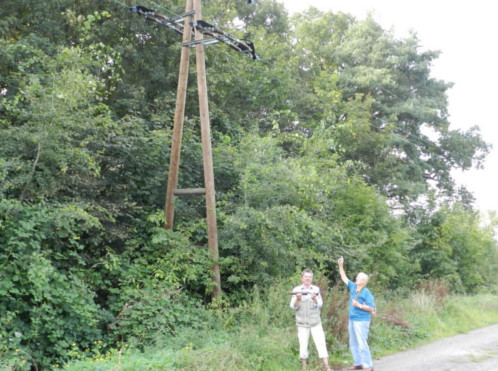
(261, 335)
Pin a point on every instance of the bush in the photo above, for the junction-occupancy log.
(47, 301)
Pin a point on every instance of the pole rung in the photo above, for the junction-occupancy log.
(189, 191)
(181, 17)
(201, 41)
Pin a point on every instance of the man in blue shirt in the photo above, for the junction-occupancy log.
(361, 305)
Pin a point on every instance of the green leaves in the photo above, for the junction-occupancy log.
(453, 246)
(45, 277)
(382, 99)
(305, 210)
(47, 144)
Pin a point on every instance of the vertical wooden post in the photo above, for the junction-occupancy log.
(169, 207)
(207, 155)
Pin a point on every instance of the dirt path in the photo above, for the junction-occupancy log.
(474, 351)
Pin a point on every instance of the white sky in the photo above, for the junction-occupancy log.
(466, 33)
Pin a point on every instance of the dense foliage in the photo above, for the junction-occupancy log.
(336, 142)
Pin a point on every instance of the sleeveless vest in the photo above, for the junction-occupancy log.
(307, 315)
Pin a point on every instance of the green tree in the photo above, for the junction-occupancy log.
(454, 246)
(393, 117)
(303, 211)
(51, 120)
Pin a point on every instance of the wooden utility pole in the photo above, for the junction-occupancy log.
(181, 93)
(207, 154)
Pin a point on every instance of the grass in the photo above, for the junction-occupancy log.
(261, 335)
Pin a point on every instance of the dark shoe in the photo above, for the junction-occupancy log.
(355, 368)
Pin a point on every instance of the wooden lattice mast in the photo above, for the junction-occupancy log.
(209, 188)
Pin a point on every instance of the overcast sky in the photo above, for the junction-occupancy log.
(466, 33)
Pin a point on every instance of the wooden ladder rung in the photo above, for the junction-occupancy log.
(189, 191)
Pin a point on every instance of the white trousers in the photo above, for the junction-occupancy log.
(303, 334)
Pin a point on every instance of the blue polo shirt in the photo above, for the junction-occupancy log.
(365, 297)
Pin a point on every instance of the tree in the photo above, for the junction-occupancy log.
(305, 210)
(455, 247)
(393, 116)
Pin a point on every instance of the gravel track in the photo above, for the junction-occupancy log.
(476, 350)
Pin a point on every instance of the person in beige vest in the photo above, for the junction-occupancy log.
(307, 301)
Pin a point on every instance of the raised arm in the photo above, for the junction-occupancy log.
(344, 278)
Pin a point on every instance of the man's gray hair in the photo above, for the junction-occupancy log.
(363, 276)
(307, 270)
